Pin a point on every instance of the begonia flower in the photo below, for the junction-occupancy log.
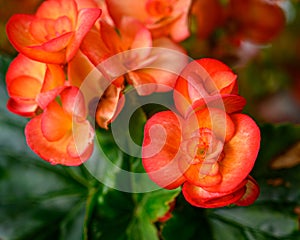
(54, 33)
(129, 56)
(164, 18)
(61, 134)
(32, 85)
(207, 150)
(210, 156)
(207, 82)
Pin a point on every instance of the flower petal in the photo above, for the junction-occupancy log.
(23, 66)
(196, 176)
(73, 102)
(162, 137)
(24, 108)
(54, 77)
(109, 105)
(86, 19)
(239, 153)
(53, 9)
(143, 82)
(118, 9)
(79, 69)
(94, 47)
(218, 121)
(137, 36)
(251, 194)
(54, 45)
(24, 87)
(55, 122)
(17, 29)
(163, 68)
(202, 79)
(44, 98)
(83, 135)
(198, 197)
(54, 152)
(228, 102)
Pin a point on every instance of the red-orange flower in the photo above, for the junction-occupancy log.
(207, 82)
(61, 134)
(32, 84)
(54, 33)
(164, 18)
(206, 149)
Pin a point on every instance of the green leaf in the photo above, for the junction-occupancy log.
(149, 208)
(264, 220)
(133, 216)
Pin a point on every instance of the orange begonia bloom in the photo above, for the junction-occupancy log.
(54, 33)
(61, 134)
(131, 55)
(193, 153)
(164, 18)
(208, 150)
(32, 84)
(207, 82)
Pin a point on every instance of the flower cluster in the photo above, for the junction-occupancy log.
(208, 146)
(62, 43)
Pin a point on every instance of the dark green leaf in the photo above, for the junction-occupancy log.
(133, 216)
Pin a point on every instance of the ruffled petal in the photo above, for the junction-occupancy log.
(198, 197)
(55, 122)
(240, 153)
(17, 29)
(251, 194)
(94, 47)
(136, 36)
(201, 80)
(79, 69)
(54, 45)
(163, 68)
(24, 108)
(118, 9)
(86, 19)
(201, 177)
(22, 66)
(83, 135)
(227, 102)
(24, 87)
(143, 82)
(53, 9)
(160, 152)
(109, 106)
(218, 121)
(54, 78)
(73, 102)
(54, 152)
